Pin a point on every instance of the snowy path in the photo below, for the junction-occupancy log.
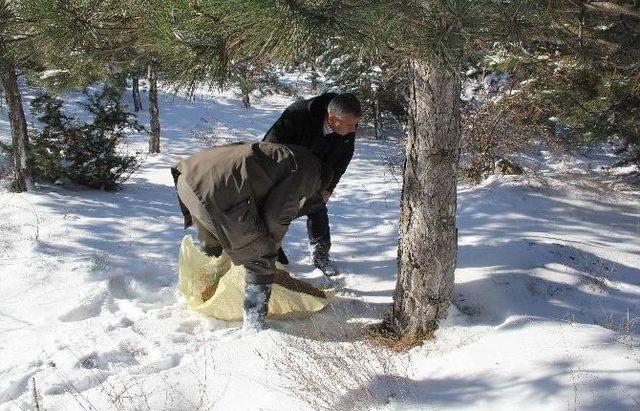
(89, 311)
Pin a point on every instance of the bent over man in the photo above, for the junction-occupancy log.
(326, 124)
(241, 198)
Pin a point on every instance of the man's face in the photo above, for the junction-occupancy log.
(343, 126)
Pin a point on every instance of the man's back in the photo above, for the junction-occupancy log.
(223, 175)
(247, 194)
(242, 198)
(302, 123)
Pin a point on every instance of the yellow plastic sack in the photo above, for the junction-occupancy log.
(215, 286)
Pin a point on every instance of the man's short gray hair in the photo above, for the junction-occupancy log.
(343, 104)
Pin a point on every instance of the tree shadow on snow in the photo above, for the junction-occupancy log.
(476, 391)
(524, 243)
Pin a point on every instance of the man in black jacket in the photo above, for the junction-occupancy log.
(326, 124)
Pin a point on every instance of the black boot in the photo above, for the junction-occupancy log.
(320, 258)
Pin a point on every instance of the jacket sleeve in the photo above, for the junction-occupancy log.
(340, 164)
(281, 206)
(284, 130)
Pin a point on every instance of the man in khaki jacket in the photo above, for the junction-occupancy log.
(241, 198)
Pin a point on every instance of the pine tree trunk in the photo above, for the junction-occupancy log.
(245, 87)
(314, 78)
(427, 246)
(376, 118)
(246, 102)
(137, 103)
(20, 138)
(154, 113)
(119, 83)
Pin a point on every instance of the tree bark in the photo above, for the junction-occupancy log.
(137, 103)
(427, 248)
(245, 87)
(154, 112)
(377, 126)
(19, 136)
(246, 102)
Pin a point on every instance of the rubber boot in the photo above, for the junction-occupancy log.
(256, 303)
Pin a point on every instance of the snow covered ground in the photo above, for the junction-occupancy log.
(546, 313)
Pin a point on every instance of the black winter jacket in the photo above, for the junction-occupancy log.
(301, 124)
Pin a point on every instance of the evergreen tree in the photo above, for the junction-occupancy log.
(254, 78)
(573, 66)
(84, 41)
(188, 39)
(84, 153)
(99, 41)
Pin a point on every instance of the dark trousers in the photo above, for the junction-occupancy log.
(318, 229)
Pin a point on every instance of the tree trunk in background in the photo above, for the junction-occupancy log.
(20, 138)
(427, 248)
(377, 126)
(246, 102)
(137, 103)
(154, 113)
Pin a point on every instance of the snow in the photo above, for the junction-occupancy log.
(52, 73)
(546, 312)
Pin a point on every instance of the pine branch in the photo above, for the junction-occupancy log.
(612, 8)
